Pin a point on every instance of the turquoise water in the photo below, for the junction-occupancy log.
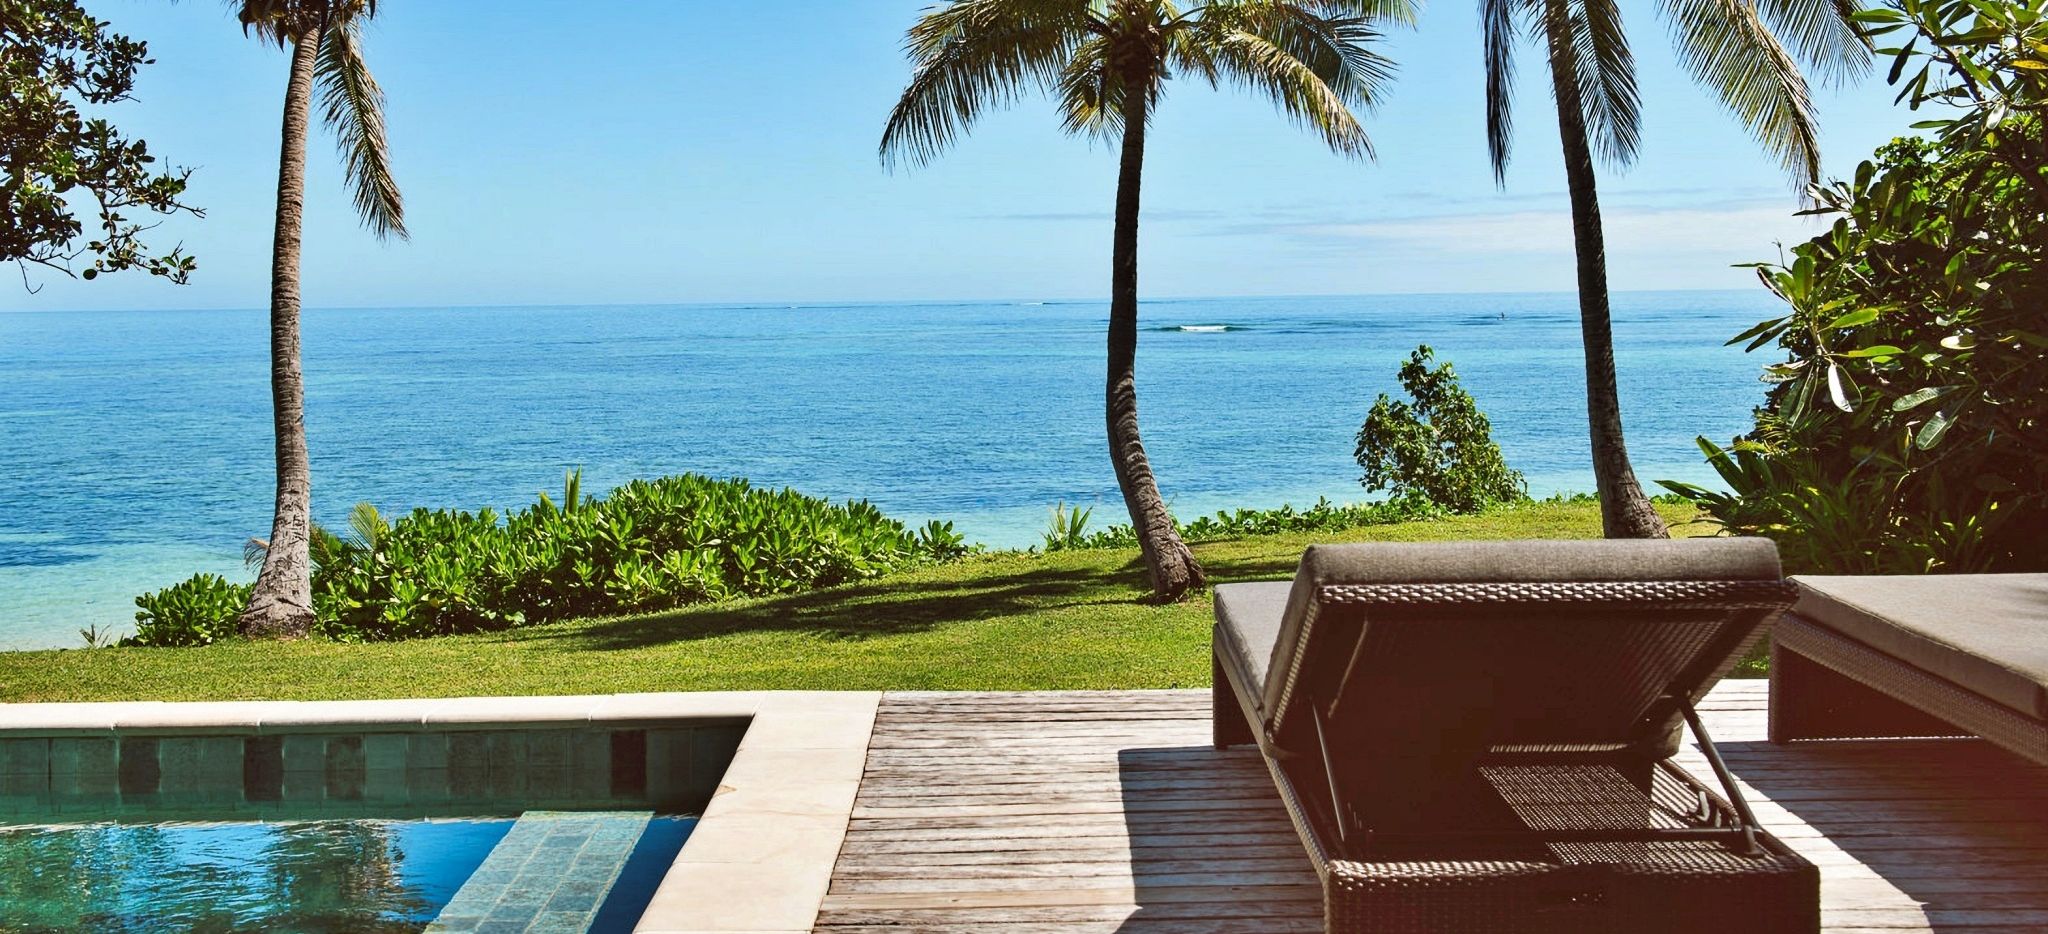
(135, 449)
(320, 876)
(354, 876)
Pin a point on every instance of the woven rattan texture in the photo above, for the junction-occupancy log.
(1764, 599)
(1991, 720)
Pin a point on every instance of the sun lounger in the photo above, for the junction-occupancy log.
(1477, 736)
(1934, 655)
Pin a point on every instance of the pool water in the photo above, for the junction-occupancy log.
(332, 875)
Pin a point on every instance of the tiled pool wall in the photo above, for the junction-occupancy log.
(669, 768)
(781, 770)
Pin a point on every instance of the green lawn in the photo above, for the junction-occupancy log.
(1001, 622)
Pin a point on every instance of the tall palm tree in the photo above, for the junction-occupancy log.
(1737, 49)
(325, 39)
(1106, 62)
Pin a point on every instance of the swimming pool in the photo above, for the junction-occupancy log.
(773, 774)
(488, 827)
(355, 875)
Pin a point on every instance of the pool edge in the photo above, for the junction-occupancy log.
(760, 858)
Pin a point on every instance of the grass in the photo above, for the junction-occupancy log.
(1001, 622)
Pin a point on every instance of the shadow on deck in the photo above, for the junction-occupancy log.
(1022, 813)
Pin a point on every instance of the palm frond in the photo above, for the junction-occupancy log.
(276, 21)
(1394, 12)
(279, 21)
(1823, 34)
(1728, 48)
(1607, 81)
(1314, 59)
(352, 105)
(1338, 49)
(1497, 23)
(1091, 99)
(970, 55)
(254, 550)
(366, 527)
(1262, 64)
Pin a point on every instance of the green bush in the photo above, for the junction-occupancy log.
(1068, 529)
(1439, 450)
(197, 611)
(1070, 532)
(1907, 430)
(650, 545)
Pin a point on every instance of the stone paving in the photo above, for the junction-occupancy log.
(549, 874)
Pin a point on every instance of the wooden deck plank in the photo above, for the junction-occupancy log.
(1018, 813)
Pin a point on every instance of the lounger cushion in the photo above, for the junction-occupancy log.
(1507, 561)
(1247, 621)
(1984, 632)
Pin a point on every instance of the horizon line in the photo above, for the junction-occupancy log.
(857, 303)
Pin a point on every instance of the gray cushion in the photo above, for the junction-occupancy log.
(1985, 632)
(1247, 620)
(1509, 561)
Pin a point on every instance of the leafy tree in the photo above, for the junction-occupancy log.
(1737, 48)
(325, 39)
(55, 163)
(1106, 63)
(1440, 449)
(1907, 430)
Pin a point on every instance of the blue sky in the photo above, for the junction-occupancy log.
(723, 150)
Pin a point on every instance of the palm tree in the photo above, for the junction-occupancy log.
(325, 38)
(1733, 47)
(1106, 62)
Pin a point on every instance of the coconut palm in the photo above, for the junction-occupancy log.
(1738, 50)
(325, 39)
(1106, 63)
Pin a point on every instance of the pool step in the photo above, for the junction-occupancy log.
(548, 875)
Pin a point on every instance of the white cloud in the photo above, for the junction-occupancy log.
(1742, 229)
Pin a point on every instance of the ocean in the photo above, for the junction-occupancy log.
(135, 448)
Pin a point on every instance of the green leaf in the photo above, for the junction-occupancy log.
(1917, 397)
(1931, 431)
(1993, 483)
(1881, 350)
(1852, 319)
(1840, 390)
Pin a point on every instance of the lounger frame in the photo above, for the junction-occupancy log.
(1825, 685)
(1728, 874)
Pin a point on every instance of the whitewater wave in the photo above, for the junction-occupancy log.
(1199, 328)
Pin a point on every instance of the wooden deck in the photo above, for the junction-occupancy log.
(1109, 811)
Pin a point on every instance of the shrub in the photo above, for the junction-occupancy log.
(1439, 450)
(1907, 430)
(650, 545)
(1068, 529)
(1324, 516)
(197, 611)
(939, 542)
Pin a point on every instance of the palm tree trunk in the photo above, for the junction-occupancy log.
(282, 603)
(1168, 561)
(1624, 511)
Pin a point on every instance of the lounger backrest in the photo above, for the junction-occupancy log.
(1462, 647)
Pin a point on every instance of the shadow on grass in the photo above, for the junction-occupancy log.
(904, 605)
(881, 608)
(1226, 564)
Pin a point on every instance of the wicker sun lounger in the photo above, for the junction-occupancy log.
(1937, 655)
(1476, 736)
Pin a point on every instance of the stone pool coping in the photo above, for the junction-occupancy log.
(761, 857)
